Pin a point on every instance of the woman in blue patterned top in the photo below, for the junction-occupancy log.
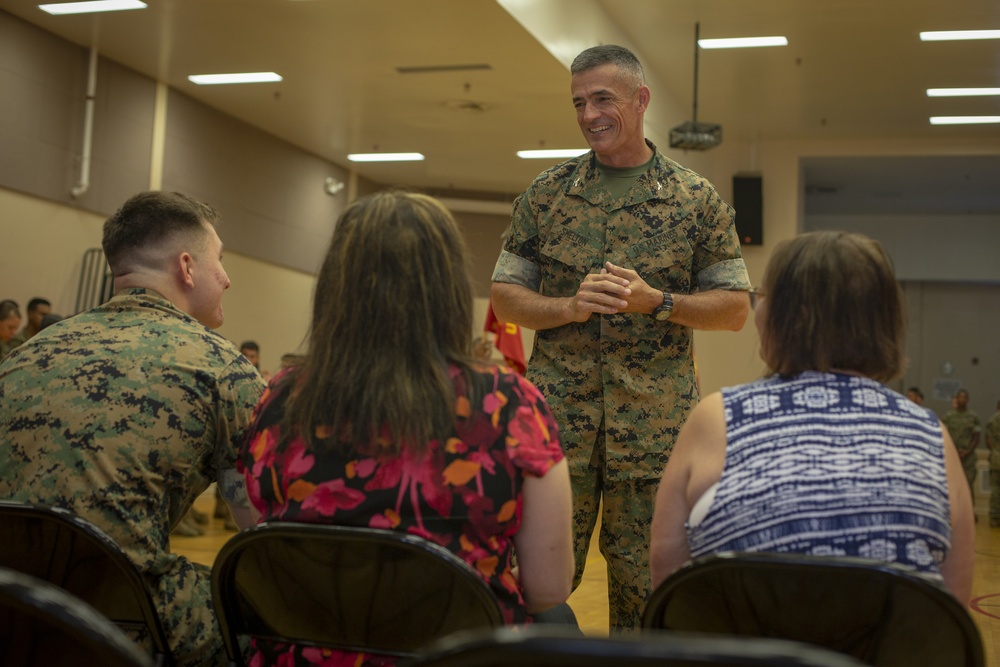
(820, 457)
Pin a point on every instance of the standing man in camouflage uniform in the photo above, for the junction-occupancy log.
(125, 413)
(993, 442)
(614, 258)
(964, 426)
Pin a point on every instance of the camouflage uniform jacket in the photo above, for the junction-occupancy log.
(628, 370)
(962, 426)
(18, 340)
(993, 434)
(124, 414)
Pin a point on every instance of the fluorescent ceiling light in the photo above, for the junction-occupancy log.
(742, 42)
(385, 157)
(961, 92)
(238, 77)
(93, 6)
(554, 153)
(950, 35)
(963, 120)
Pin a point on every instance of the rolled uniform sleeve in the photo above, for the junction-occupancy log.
(518, 261)
(718, 261)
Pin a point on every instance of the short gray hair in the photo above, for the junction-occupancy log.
(610, 54)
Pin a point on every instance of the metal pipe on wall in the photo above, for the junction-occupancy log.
(88, 127)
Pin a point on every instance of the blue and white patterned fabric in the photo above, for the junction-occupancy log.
(829, 464)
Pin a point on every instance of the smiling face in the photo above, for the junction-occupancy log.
(609, 108)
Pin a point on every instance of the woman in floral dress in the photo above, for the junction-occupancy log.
(389, 421)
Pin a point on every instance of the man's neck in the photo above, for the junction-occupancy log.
(638, 156)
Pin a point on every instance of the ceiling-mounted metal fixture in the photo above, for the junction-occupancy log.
(692, 134)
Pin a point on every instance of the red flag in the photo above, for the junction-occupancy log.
(507, 338)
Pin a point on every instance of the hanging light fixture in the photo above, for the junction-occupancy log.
(693, 135)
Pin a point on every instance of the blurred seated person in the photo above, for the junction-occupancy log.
(38, 308)
(389, 422)
(49, 320)
(251, 350)
(819, 457)
(10, 321)
(915, 395)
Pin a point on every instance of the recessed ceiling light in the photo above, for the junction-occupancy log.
(238, 77)
(742, 42)
(961, 92)
(949, 35)
(963, 120)
(385, 157)
(92, 6)
(553, 153)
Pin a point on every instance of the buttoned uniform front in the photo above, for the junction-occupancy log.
(124, 414)
(626, 379)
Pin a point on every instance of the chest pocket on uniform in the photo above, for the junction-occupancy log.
(576, 253)
(663, 261)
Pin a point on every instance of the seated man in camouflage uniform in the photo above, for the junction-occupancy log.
(125, 413)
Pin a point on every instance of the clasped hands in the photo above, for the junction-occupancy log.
(614, 290)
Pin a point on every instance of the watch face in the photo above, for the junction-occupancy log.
(665, 309)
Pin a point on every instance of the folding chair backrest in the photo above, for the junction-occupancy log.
(61, 548)
(552, 646)
(355, 589)
(42, 625)
(880, 613)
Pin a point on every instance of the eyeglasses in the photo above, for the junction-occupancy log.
(755, 296)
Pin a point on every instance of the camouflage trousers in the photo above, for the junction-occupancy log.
(625, 507)
(183, 598)
(994, 498)
(969, 466)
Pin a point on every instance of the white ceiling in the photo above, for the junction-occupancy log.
(852, 69)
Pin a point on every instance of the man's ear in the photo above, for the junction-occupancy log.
(643, 97)
(185, 268)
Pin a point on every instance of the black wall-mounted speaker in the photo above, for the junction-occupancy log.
(748, 200)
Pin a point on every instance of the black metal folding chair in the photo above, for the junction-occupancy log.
(59, 547)
(355, 589)
(552, 646)
(880, 613)
(42, 625)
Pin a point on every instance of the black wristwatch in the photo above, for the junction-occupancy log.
(663, 312)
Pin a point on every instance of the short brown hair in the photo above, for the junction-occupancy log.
(832, 302)
(148, 219)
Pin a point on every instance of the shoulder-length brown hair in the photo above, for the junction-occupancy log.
(832, 302)
(392, 312)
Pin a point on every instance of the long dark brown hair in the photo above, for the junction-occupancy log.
(392, 312)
